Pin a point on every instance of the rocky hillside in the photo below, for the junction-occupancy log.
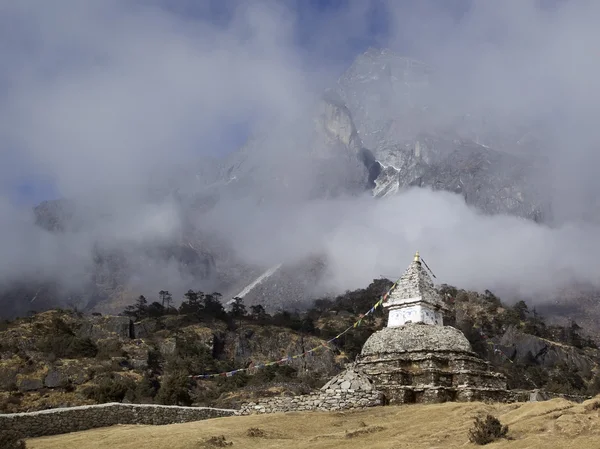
(62, 357)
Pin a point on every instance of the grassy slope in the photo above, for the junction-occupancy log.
(554, 424)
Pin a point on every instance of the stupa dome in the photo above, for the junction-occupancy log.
(416, 337)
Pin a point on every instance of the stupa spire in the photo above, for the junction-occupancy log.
(415, 299)
(417, 258)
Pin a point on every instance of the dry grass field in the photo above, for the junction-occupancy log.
(556, 424)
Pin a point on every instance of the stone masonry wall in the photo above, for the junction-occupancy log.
(348, 390)
(323, 401)
(74, 419)
(539, 395)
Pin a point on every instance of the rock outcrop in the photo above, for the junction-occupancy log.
(392, 102)
(349, 390)
(350, 379)
(522, 347)
(98, 327)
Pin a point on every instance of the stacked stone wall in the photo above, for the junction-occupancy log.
(348, 390)
(539, 395)
(330, 400)
(74, 419)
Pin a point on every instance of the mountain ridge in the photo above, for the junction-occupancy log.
(375, 132)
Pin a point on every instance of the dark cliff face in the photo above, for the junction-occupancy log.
(387, 96)
(491, 181)
(393, 103)
(522, 347)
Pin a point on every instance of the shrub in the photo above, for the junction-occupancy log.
(592, 406)
(204, 393)
(111, 389)
(10, 440)
(62, 342)
(174, 390)
(146, 389)
(110, 348)
(82, 347)
(68, 346)
(155, 360)
(239, 380)
(486, 430)
(255, 432)
(272, 373)
(10, 403)
(218, 441)
(191, 357)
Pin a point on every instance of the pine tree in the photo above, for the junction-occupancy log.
(213, 307)
(238, 309)
(522, 310)
(141, 306)
(166, 298)
(192, 297)
(258, 312)
(191, 304)
(138, 310)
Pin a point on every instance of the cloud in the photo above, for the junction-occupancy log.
(108, 91)
(364, 239)
(462, 246)
(108, 99)
(517, 64)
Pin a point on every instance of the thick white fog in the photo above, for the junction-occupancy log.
(102, 98)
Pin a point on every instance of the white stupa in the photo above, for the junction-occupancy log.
(415, 300)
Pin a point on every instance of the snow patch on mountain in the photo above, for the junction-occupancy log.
(387, 183)
(258, 280)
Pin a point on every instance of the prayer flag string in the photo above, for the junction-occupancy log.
(253, 367)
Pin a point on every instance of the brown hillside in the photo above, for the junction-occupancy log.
(555, 424)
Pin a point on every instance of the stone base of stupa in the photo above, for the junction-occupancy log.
(418, 363)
